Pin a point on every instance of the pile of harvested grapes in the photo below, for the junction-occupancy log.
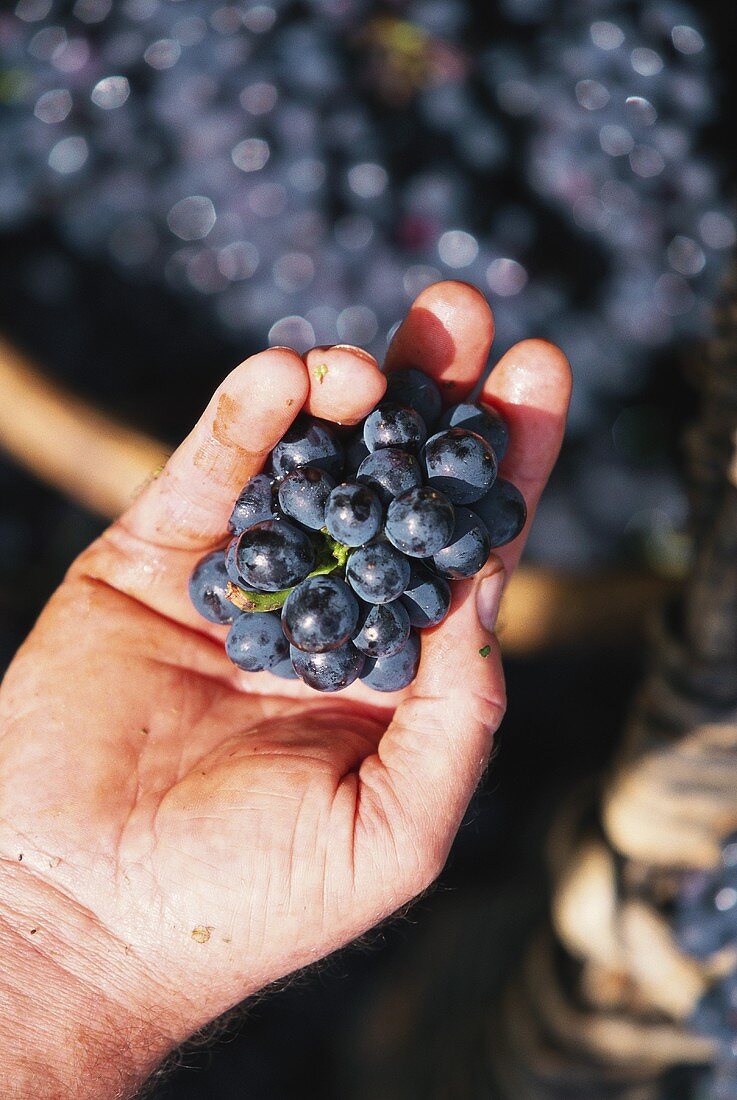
(342, 549)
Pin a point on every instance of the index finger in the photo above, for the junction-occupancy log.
(188, 505)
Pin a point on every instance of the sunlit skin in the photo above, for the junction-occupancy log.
(188, 832)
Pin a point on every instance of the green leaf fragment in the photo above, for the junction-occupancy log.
(485, 651)
(337, 551)
(247, 600)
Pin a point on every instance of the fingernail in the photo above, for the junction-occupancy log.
(488, 597)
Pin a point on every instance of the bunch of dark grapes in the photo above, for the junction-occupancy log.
(705, 924)
(342, 549)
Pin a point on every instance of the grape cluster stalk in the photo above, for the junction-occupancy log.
(346, 545)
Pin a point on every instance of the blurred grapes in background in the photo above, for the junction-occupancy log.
(296, 173)
(182, 183)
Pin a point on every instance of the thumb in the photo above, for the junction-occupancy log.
(432, 756)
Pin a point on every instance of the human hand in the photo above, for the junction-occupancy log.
(188, 832)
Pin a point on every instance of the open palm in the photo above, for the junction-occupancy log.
(209, 830)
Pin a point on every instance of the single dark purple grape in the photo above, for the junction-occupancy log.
(255, 503)
(391, 425)
(256, 641)
(331, 671)
(308, 442)
(378, 573)
(420, 522)
(320, 614)
(395, 672)
(413, 388)
(303, 496)
(486, 422)
(207, 589)
(355, 451)
(274, 555)
(503, 512)
(382, 629)
(390, 472)
(353, 514)
(461, 464)
(426, 597)
(468, 548)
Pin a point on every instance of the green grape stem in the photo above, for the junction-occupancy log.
(331, 556)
